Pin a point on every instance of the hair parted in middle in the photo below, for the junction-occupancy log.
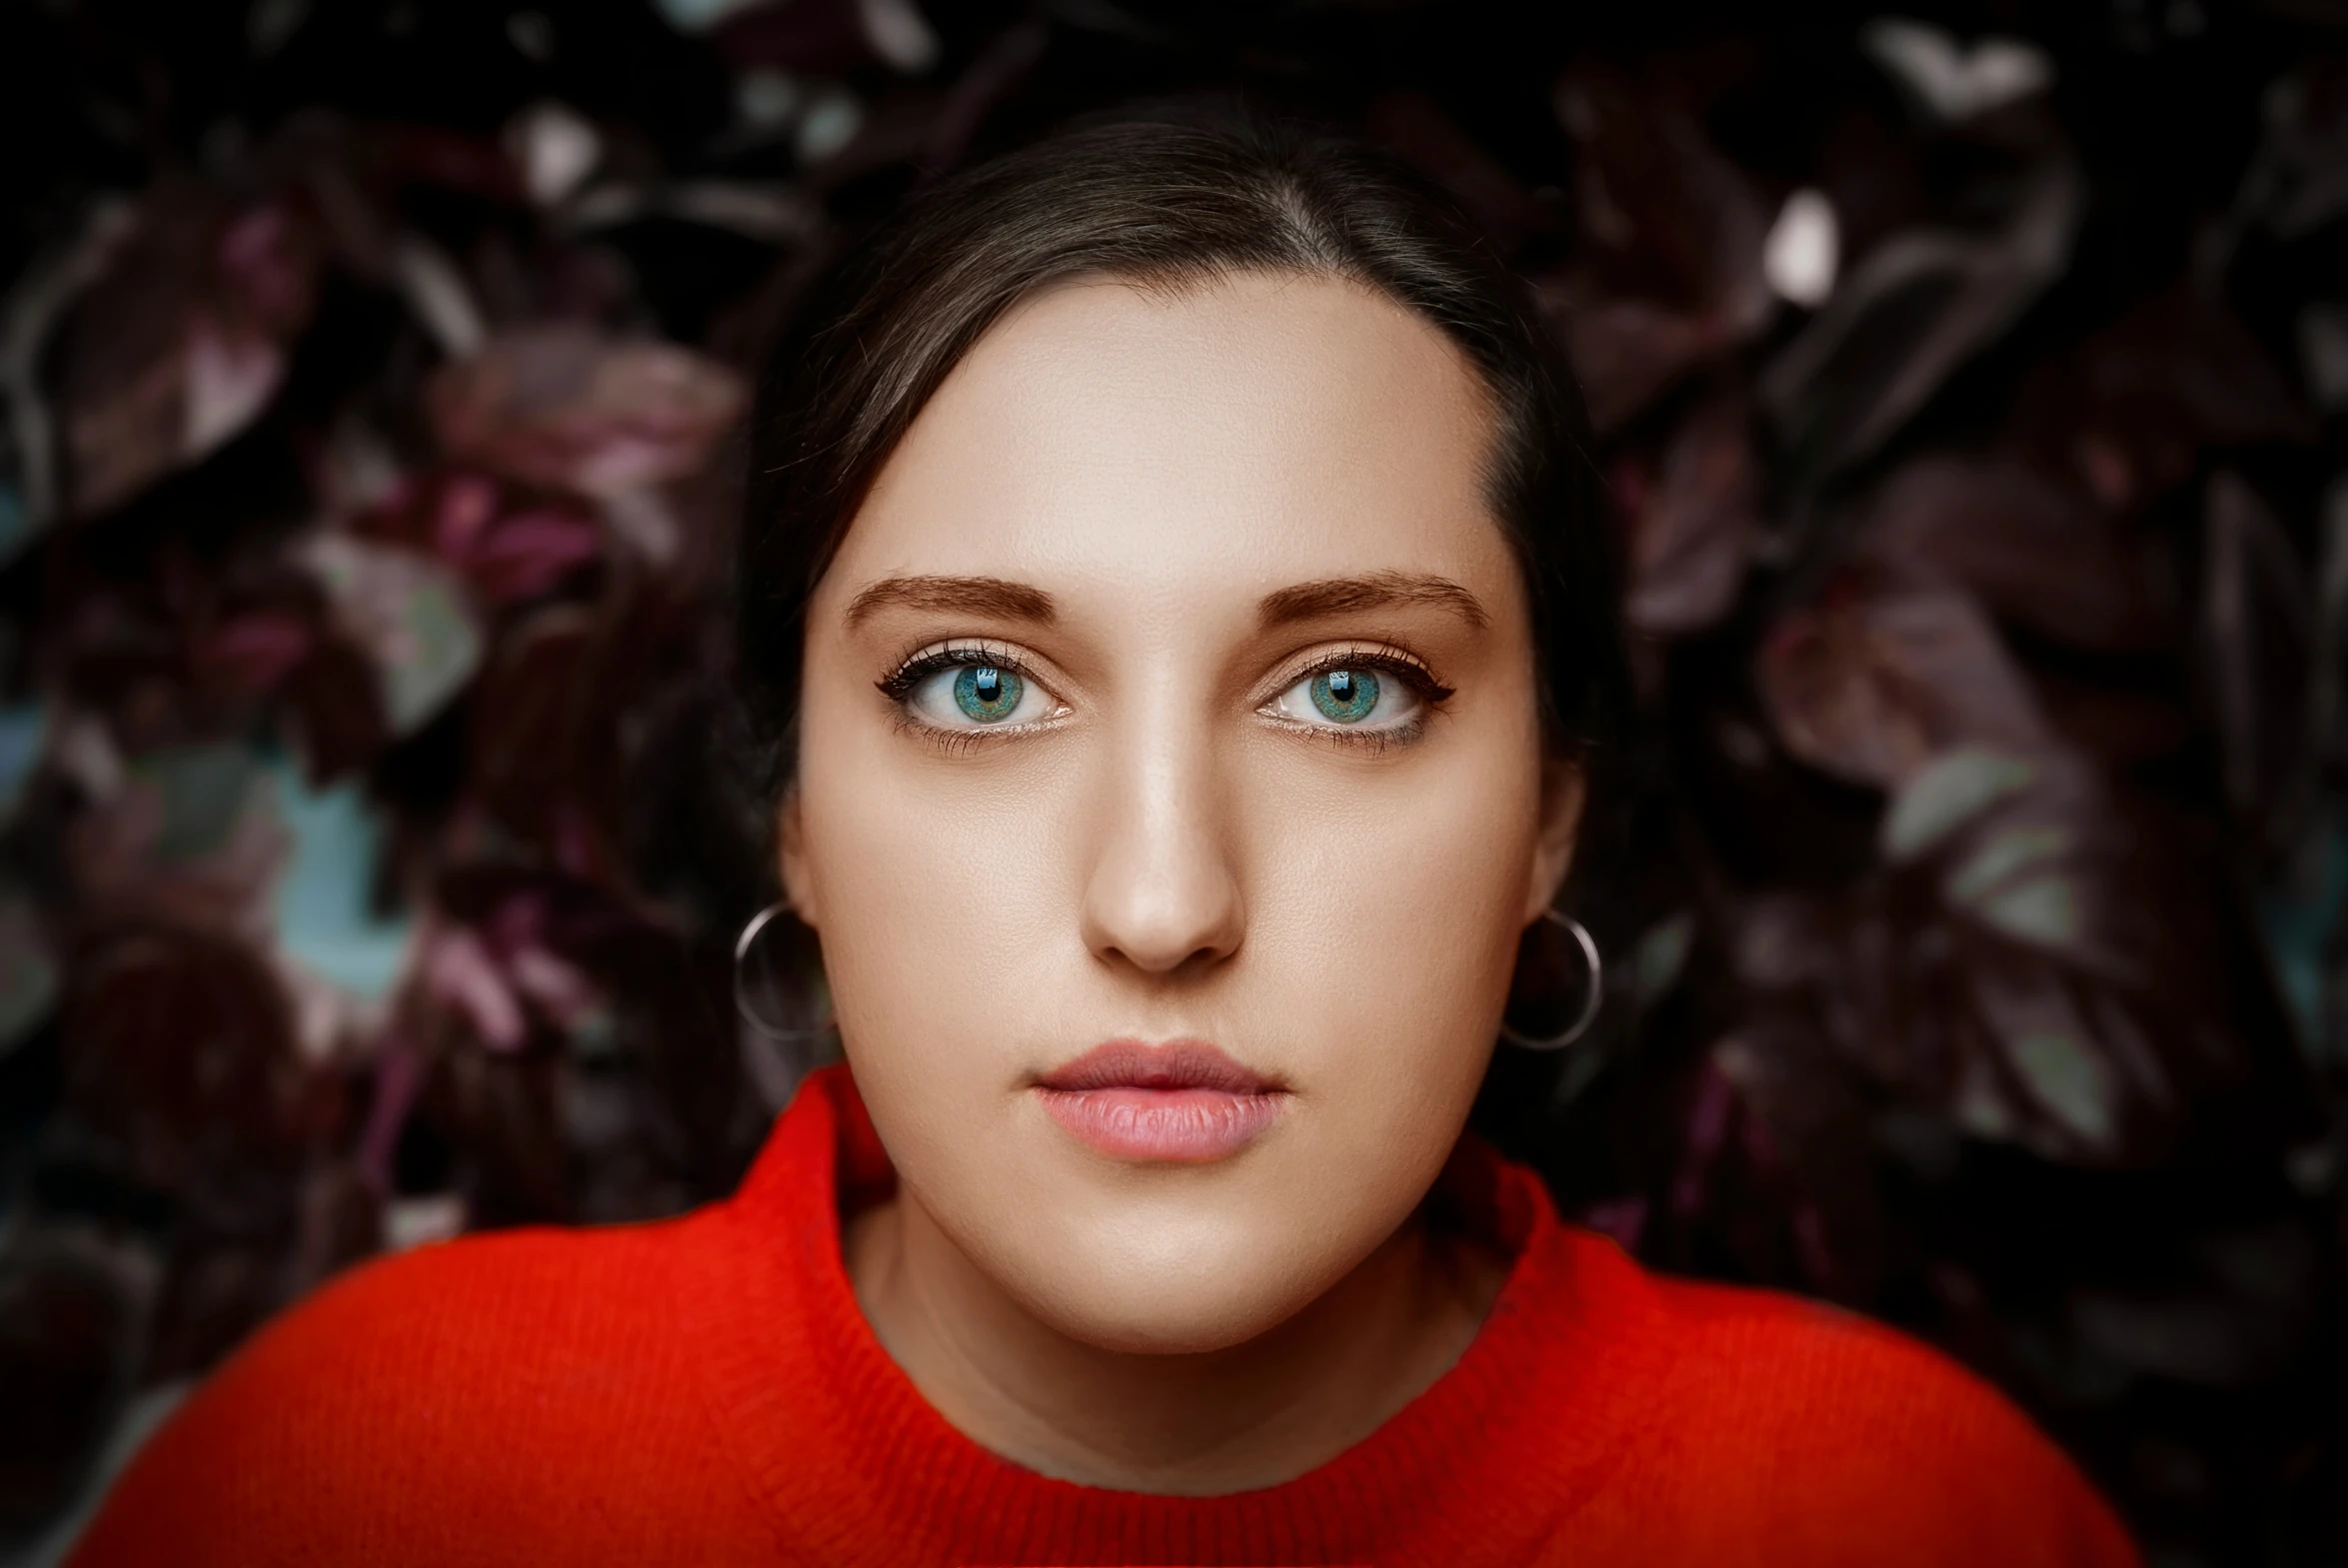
(1167, 197)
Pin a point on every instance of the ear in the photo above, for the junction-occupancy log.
(799, 883)
(1564, 791)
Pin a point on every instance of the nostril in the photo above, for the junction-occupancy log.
(1167, 924)
(1164, 951)
(1163, 893)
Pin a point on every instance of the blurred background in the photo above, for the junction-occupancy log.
(1970, 383)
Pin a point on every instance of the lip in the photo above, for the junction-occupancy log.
(1182, 1103)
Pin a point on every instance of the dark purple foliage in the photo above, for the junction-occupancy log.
(371, 840)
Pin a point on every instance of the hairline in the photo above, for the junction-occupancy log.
(1171, 281)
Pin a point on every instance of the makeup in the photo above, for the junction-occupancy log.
(1181, 1102)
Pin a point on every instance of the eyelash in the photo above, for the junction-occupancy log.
(898, 684)
(1411, 671)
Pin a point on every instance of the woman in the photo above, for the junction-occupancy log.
(1174, 596)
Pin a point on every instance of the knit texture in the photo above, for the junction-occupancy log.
(705, 1390)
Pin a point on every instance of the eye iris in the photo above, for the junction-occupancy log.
(1346, 695)
(985, 693)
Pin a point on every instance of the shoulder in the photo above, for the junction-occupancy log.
(528, 1305)
(482, 1371)
(1838, 1439)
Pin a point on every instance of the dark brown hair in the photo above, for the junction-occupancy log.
(1161, 201)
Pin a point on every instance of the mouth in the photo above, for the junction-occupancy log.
(1184, 1102)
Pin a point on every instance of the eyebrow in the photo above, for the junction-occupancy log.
(1005, 600)
(1375, 590)
(981, 596)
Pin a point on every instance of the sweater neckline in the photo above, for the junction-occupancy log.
(1542, 1405)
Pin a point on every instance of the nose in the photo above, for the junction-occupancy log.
(1163, 891)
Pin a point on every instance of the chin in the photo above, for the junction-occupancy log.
(1176, 1322)
(1153, 1290)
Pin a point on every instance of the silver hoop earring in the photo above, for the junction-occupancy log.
(742, 1003)
(1596, 993)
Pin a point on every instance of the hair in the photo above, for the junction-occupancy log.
(1167, 201)
(1162, 203)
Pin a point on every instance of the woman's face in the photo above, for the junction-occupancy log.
(1170, 796)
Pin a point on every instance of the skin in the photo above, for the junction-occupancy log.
(1160, 848)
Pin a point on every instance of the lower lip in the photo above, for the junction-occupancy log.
(1189, 1126)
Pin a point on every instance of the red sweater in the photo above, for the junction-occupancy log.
(703, 1390)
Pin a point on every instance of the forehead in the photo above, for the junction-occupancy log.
(1242, 433)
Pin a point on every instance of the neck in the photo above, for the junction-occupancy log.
(1252, 1415)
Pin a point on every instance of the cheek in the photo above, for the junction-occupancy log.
(1380, 909)
(1381, 903)
(1385, 930)
(948, 894)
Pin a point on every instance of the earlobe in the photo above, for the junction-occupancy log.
(1564, 791)
(790, 850)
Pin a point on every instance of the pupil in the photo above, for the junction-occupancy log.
(1346, 695)
(985, 693)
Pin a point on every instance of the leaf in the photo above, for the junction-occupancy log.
(2005, 852)
(2298, 180)
(1908, 313)
(2086, 1074)
(1878, 677)
(2323, 354)
(510, 543)
(230, 376)
(24, 742)
(1413, 125)
(36, 305)
(407, 614)
(179, 1047)
(1660, 955)
(2031, 552)
(2127, 413)
(179, 342)
(899, 34)
(1624, 353)
(2257, 628)
(543, 746)
(2067, 1077)
(71, 1322)
(205, 792)
(1670, 273)
(820, 38)
(2045, 909)
(257, 651)
(565, 408)
(2048, 960)
(1671, 219)
(1952, 82)
(17, 528)
(1774, 1160)
(1949, 792)
(462, 975)
(1691, 530)
(321, 908)
(334, 704)
(190, 837)
(29, 976)
(2300, 915)
(554, 148)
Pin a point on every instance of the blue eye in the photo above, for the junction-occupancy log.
(987, 694)
(1358, 698)
(1346, 695)
(957, 690)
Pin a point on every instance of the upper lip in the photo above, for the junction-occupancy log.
(1176, 1065)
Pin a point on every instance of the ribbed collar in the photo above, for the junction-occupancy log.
(852, 1465)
